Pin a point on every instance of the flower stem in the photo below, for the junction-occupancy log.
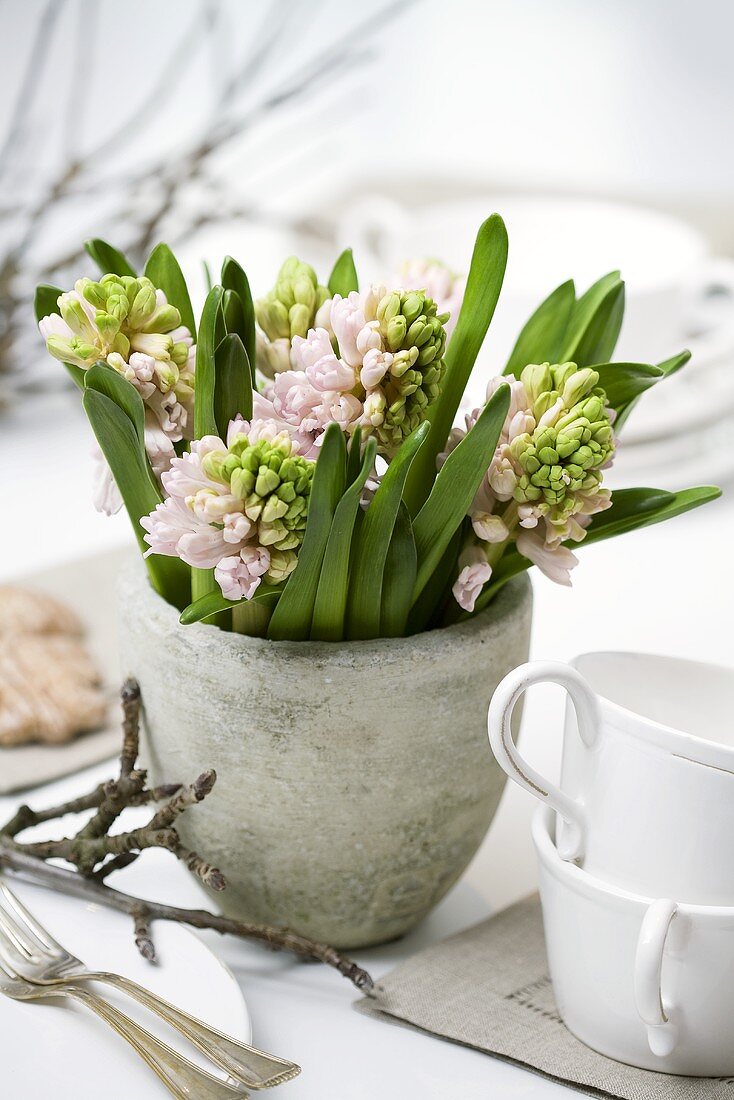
(250, 618)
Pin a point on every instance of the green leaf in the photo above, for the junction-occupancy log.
(480, 299)
(674, 364)
(233, 313)
(456, 485)
(667, 368)
(331, 598)
(46, 300)
(108, 259)
(354, 455)
(398, 581)
(164, 272)
(365, 586)
(76, 374)
(205, 421)
(343, 278)
(635, 508)
(293, 616)
(119, 441)
(233, 383)
(211, 398)
(623, 382)
(631, 510)
(202, 583)
(425, 614)
(596, 319)
(214, 603)
(235, 279)
(105, 379)
(541, 340)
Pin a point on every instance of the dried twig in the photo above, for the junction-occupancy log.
(149, 200)
(95, 854)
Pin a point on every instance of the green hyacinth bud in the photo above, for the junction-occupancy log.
(76, 318)
(299, 320)
(290, 308)
(142, 306)
(108, 326)
(577, 385)
(538, 380)
(274, 486)
(282, 564)
(163, 319)
(180, 354)
(72, 350)
(413, 330)
(272, 317)
(93, 293)
(563, 458)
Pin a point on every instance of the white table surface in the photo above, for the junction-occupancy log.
(667, 589)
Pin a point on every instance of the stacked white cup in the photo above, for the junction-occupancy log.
(637, 863)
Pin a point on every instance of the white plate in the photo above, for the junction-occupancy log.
(56, 1048)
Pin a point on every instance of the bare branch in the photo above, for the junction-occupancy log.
(130, 696)
(37, 59)
(14, 858)
(96, 854)
(143, 941)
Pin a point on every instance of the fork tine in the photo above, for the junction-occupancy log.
(25, 924)
(18, 932)
(10, 953)
(11, 932)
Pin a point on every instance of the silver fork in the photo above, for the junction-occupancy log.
(39, 959)
(182, 1078)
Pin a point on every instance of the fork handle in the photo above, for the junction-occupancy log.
(245, 1063)
(182, 1078)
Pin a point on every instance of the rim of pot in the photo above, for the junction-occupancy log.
(509, 602)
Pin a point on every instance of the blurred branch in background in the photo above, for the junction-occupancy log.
(139, 124)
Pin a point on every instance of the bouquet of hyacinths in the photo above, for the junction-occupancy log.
(291, 466)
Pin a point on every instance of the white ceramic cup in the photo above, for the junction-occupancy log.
(646, 799)
(645, 981)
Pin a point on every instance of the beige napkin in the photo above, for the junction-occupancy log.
(489, 988)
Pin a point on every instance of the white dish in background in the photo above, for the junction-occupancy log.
(664, 261)
(57, 1048)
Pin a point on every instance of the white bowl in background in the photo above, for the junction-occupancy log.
(675, 288)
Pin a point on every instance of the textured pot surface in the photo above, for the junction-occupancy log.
(355, 781)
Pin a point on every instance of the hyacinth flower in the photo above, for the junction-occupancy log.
(377, 363)
(271, 521)
(238, 507)
(289, 310)
(440, 282)
(129, 324)
(544, 482)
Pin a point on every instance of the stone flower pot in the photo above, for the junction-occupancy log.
(355, 780)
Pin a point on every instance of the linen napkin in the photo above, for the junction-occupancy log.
(509, 1012)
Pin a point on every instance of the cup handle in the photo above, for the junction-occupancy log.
(500, 738)
(654, 1013)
